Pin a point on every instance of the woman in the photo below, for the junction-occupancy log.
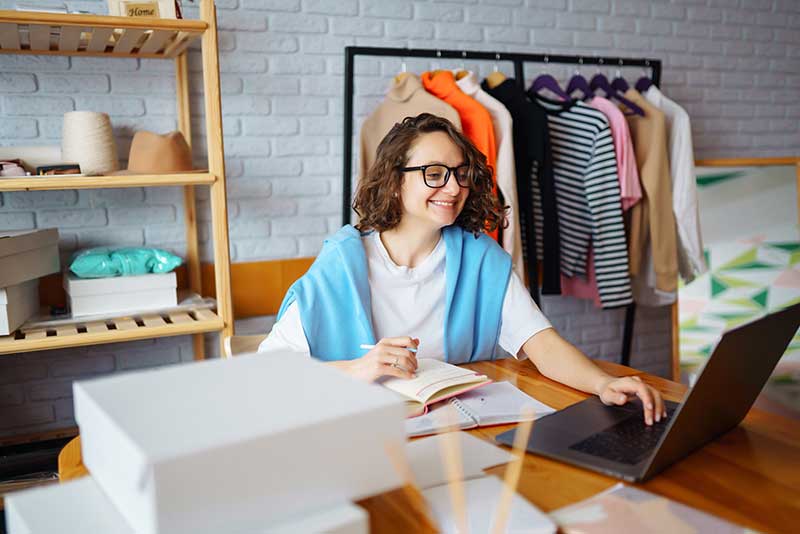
(419, 275)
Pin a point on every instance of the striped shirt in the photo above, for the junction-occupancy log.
(588, 197)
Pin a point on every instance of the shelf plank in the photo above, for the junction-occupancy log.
(58, 34)
(9, 36)
(70, 39)
(99, 40)
(129, 39)
(44, 183)
(126, 329)
(101, 21)
(39, 36)
(155, 41)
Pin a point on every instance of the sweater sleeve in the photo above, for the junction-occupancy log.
(608, 232)
(287, 334)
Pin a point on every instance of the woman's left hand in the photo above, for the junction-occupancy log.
(618, 390)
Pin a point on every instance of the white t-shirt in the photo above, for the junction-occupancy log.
(410, 302)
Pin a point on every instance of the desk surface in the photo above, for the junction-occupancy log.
(750, 475)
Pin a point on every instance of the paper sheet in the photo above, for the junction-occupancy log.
(482, 498)
(425, 458)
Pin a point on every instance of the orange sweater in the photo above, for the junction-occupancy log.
(476, 123)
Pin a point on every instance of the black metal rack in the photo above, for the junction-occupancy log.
(519, 60)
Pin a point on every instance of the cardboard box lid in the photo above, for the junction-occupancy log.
(168, 412)
(80, 507)
(74, 507)
(82, 287)
(21, 290)
(16, 241)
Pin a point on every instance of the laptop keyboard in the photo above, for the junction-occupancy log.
(627, 442)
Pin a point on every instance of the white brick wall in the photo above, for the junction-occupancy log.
(734, 64)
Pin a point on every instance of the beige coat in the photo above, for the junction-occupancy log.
(652, 219)
(406, 98)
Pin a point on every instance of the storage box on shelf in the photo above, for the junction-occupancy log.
(90, 35)
(17, 303)
(27, 255)
(120, 294)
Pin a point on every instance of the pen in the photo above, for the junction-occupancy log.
(367, 347)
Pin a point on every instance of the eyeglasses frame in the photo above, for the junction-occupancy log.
(451, 171)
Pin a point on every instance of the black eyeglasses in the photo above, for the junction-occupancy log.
(436, 176)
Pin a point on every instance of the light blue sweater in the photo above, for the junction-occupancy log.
(333, 297)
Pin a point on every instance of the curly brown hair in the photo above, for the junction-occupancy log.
(377, 201)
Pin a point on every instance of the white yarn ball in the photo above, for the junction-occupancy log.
(87, 139)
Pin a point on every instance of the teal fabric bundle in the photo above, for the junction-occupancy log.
(102, 262)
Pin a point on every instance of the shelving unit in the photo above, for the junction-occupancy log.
(89, 35)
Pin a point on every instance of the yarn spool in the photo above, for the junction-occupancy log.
(87, 139)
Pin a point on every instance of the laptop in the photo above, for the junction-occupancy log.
(614, 440)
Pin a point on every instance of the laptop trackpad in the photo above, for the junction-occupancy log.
(578, 421)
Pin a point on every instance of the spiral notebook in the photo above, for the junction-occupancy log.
(498, 403)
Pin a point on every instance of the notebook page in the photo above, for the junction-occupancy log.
(483, 497)
(432, 376)
(425, 458)
(428, 423)
(499, 403)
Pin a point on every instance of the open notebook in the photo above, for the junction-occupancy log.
(435, 381)
(494, 404)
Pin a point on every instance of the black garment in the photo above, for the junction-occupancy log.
(532, 148)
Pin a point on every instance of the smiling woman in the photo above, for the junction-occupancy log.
(419, 141)
(418, 276)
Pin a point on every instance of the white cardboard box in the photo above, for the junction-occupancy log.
(81, 507)
(75, 507)
(17, 304)
(120, 294)
(27, 255)
(261, 438)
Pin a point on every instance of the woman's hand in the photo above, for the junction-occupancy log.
(617, 390)
(390, 357)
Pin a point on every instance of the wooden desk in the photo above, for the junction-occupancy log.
(750, 476)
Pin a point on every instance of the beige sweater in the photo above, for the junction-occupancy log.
(652, 218)
(406, 98)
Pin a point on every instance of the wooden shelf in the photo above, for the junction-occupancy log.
(28, 32)
(43, 183)
(98, 331)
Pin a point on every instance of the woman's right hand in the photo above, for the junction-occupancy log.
(390, 357)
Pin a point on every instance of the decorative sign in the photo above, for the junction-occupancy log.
(142, 8)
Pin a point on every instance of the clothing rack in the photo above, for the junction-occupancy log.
(519, 60)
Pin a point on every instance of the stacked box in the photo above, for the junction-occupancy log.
(25, 256)
(235, 445)
(17, 304)
(120, 294)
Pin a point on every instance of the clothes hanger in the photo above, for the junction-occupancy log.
(546, 81)
(599, 81)
(644, 83)
(579, 83)
(436, 70)
(496, 77)
(403, 74)
(463, 70)
(619, 83)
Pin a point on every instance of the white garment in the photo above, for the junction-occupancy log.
(506, 171)
(410, 301)
(691, 261)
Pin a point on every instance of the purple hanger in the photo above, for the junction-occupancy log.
(643, 84)
(599, 81)
(620, 84)
(579, 83)
(546, 81)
